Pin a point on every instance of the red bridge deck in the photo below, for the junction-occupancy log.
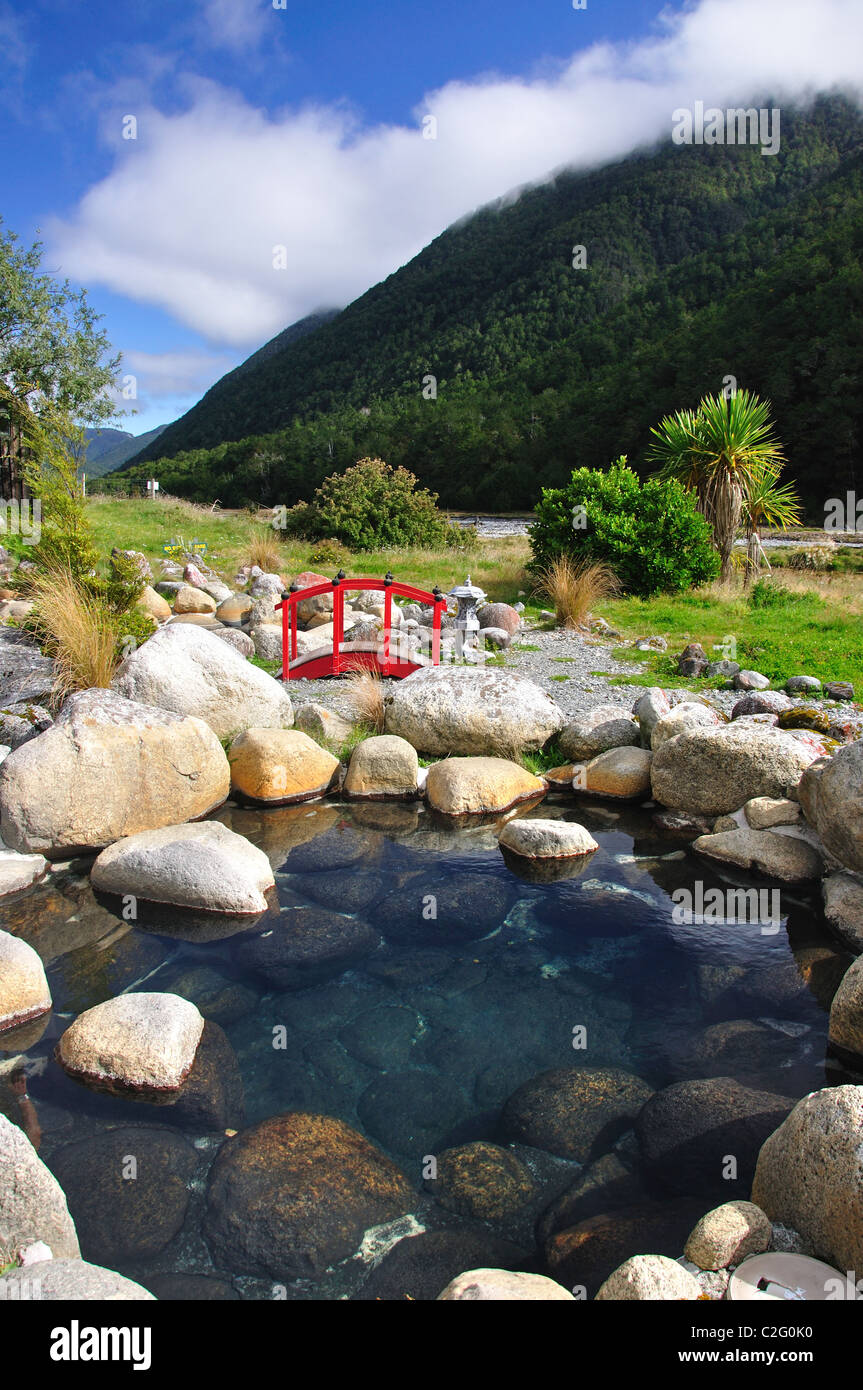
(390, 656)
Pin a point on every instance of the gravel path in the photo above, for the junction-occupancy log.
(559, 653)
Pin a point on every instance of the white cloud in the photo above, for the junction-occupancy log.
(191, 213)
(235, 24)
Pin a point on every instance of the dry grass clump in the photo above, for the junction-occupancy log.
(364, 692)
(574, 587)
(76, 630)
(263, 549)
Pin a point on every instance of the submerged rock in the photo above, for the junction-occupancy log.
(482, 1181)
(305, 943)
(575, 1112)
(294, 1194)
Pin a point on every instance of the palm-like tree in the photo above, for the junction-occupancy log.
(767, 503)
(719, 451)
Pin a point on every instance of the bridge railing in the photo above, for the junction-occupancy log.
(338, 587)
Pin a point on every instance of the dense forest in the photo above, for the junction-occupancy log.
(702, 262)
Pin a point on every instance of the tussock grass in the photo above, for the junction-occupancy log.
(76, 630)
(574, 588)
(264, 549)
(364, 692)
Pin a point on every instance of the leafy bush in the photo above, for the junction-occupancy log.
(330, 552)
(771, 594)
(813, 557)
(371, 507)
(649, 533)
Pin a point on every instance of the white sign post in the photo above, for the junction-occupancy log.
(152, 487)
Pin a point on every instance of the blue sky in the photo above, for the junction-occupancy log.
(280, 159)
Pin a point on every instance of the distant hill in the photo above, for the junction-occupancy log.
(702, 262)
(108, 449)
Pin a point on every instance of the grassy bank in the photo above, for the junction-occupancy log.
(815, 627)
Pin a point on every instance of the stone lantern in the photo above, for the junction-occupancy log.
(466, 624)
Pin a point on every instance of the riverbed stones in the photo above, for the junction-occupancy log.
(761, 702)
(267, 640)
(455, 907)
(843, 908)
(594, 733)
(25, 674)
(547, 839)
(320, 603)
(728, 1234)
(192, 600)
(839, 690)
(686, 1131)
(21, 722)
(121, 1212)
(233, 610)
(24, 992)
(688, 715)
(714, 771)
(832, 800)
(692, 661)
(586, 1254)
(19, 871)
(802, 685)
(468, 710)
(71, 1281)
(155, 605)
(107, 768)
(575, 1112)
(846, 1013)
(654, 1278)
(32, 1204)
(380, 767)
(472, 786)
(649, 708)
(240, 641)
(321, 723)
(621, 774)
(810, 1174)
(503, 1285)
(764, 812)
(499, 615)
(134, 1042)
(188, 670)
(481, 1181)
(204, 865)
(280, 766)
(751, 680)
(787, 857)
(305, 943)
(294, 1194)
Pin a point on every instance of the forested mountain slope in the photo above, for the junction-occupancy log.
(703, 262)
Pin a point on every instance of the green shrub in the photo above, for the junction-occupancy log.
(769, 593)
(330, 552)
(649, 533)
(371, 507)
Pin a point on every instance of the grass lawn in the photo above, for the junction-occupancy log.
(497, 566)
(815, 629)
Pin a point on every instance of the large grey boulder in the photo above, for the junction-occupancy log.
(655, 1278)
(810, 1174)
(461, 709)
(19, 871)
(833, 804)
(503, 1285)
(109, 767)
(24, 992)
(137, 1042)
(23, 721)
(846, 1012)
(188, 670)
(605, 727)
(546, 839)
(205, 865)
(843, 908)
(789, 857)
(689, 715)
(714, 771)
(25, 674)
(71, 1281)
(32, 1204)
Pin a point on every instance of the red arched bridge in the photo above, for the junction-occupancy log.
(390, 654)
